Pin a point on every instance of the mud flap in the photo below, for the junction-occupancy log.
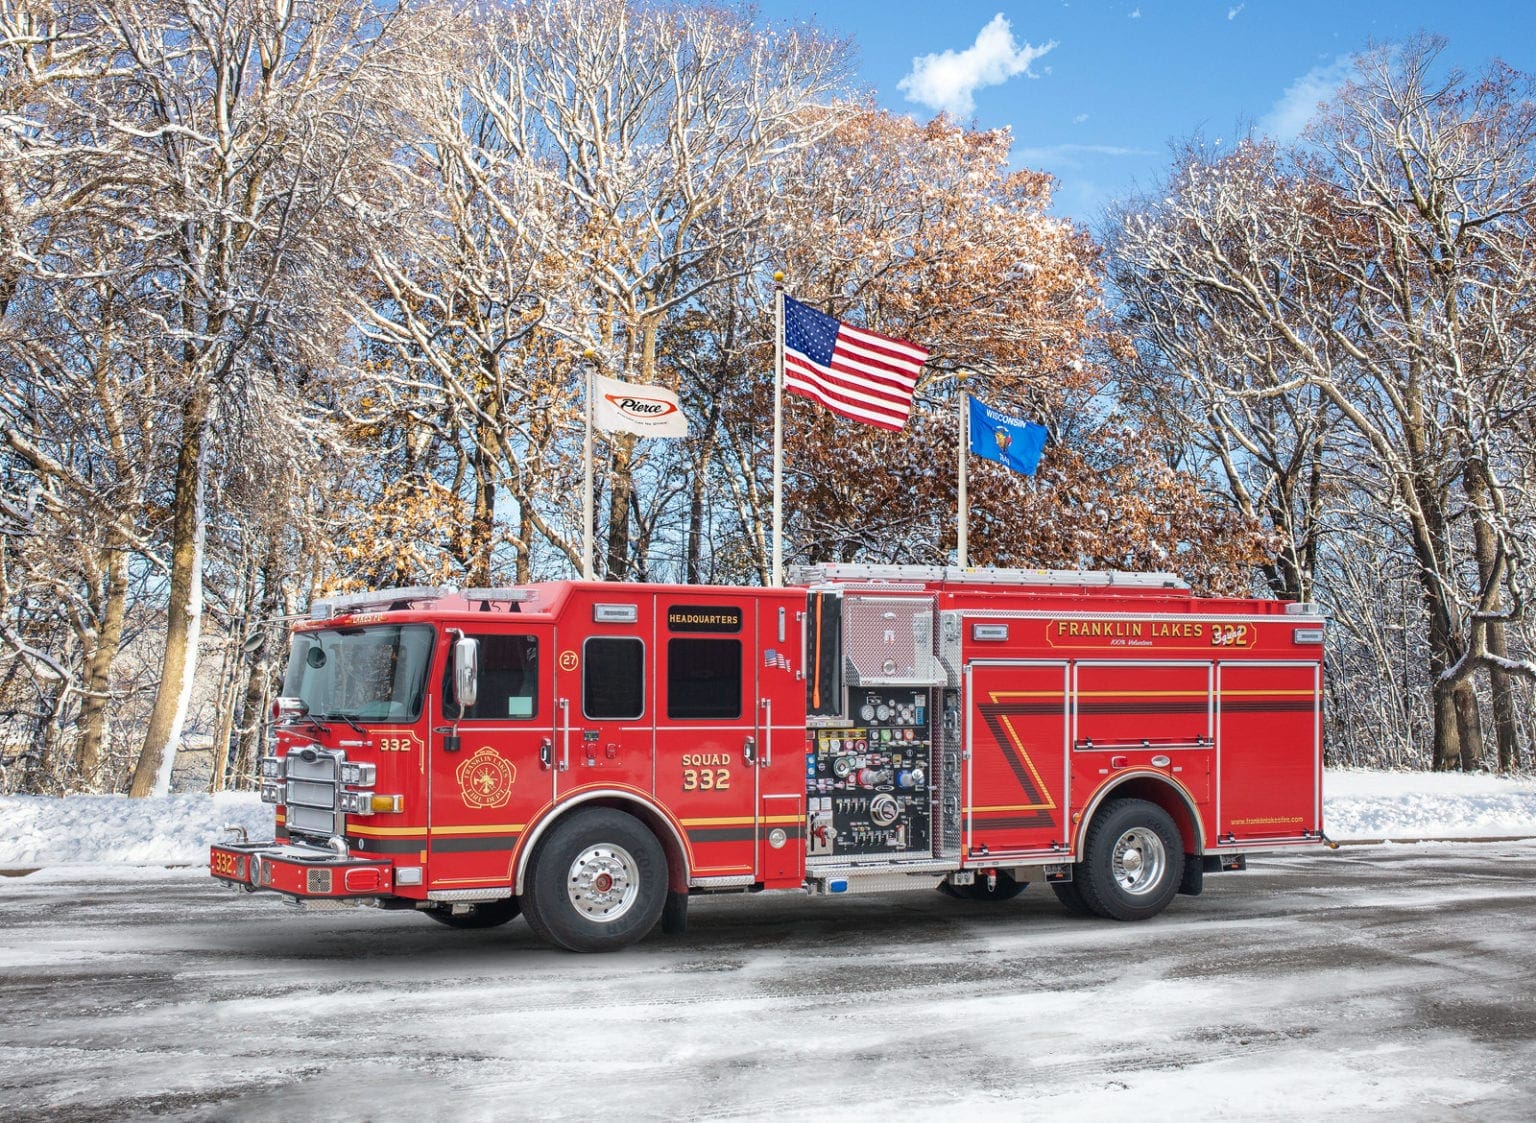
(1193, 881)
(674, 914)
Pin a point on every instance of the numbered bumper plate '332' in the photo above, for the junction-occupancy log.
(274, 867)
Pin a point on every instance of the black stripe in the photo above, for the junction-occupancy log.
(1301, 705)
(1199, 706)
(1036, 819)
(722, 834)
(471, 844)
(1033, 709)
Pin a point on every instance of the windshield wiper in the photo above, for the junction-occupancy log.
(349, 721)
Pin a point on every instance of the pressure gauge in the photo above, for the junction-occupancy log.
(905, 715)
(883, 712)
(867, 712)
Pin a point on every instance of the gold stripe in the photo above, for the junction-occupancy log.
(1142, 693)
(739, 821)
(493, 828)
(387, 832)
(779, 820)
(1016, 807)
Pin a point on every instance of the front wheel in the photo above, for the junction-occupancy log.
(482, 914)
(598, 882)
(1133, 861)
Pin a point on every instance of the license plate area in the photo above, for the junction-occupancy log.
(230, 865)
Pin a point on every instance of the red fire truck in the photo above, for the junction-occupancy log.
(591, 754)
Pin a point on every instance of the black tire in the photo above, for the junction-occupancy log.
(1070, 894)
(483, 914)
(1133, 861)
(598, 882)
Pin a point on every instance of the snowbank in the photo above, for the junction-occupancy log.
(35, 831)
(178, 828)
(1362, 804)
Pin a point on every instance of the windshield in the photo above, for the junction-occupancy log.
(361, 674)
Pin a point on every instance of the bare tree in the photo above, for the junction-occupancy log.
(1382, 271)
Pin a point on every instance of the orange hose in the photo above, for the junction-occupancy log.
(816, 671)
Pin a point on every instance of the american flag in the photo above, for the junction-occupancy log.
(772, 658)
(859, 374)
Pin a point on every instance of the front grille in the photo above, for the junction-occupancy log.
(313, 792)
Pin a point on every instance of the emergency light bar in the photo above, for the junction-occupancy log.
(377, 599)
(499, 596)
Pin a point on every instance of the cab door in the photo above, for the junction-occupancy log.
(487, 774)
(710, 726)
(604, 727)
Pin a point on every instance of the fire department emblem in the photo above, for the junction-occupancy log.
(486, 779)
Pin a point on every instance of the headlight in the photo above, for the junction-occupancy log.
(358, 775)
(271, 792)
(357, 803)
(271, 768)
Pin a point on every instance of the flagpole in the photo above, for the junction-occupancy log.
(588, 356)
(778, 429)
(962, 522)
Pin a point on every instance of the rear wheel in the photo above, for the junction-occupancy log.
(482, 914)
(984, 888)
(1133, 861)
(598, 882)
(1070, 894)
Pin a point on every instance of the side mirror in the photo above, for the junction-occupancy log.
(289, 709)
(466, 671)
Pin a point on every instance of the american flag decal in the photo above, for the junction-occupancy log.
(772, 658)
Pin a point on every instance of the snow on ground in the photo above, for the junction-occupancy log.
(1359, 804)
(1356, 805)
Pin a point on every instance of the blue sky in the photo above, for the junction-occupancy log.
(1095, 90)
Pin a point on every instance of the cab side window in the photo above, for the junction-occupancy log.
(704, 678)
(508, 682)
(613, 677)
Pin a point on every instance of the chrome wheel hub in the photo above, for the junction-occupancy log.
(603, 883)
(1139, 861)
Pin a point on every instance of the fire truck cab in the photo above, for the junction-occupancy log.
(591, 754)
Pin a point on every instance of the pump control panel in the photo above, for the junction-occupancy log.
(869, 786)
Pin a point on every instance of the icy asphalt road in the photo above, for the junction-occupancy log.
(1375, 983)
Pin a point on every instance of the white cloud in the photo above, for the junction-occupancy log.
(1080, 118)
(947, 81)
(1136, 13)
(1232, 13)
(1071, 156)
(1288, 116)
